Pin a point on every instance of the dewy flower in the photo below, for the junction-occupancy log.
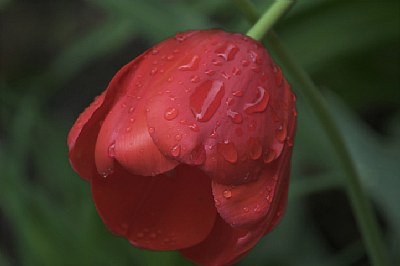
(189, 147)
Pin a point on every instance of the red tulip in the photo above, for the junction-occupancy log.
(189, 147)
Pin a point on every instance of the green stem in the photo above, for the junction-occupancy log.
(269, 18)
(366, 220)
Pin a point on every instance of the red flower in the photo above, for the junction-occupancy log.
(189, 147)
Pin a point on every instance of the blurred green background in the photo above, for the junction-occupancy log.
(56, 56)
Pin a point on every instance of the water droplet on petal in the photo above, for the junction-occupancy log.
(107, 172)
(151, 130)
(260, 104)
(227, 51)
(255, 148)
(176, 150)
(252, 125)
(235, 116)
(269, 198)
(171, 113)
(111, 150)
(155, 51)
(140, 234)
(194, 127)
(153, 71)
(209, 72)
(217, 202)
(245, 62)
(269, 155)
(195, 79)
(236, 71)
(192, 65)
(131, 109)
(228, 151)
(281, 133)
(206, 99)
(178, 137)
(245, 209)
(182, 36)
(227, 194)
(237, 93)
(128, 129)
(153, 235)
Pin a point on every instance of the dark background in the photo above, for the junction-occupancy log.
(56, 56)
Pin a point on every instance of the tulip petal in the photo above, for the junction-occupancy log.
(256, 201)
(164, 212)
(83, 136)
(82, 139)
(219, 105)
(224, 245)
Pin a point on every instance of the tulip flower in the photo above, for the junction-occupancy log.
(189, 147)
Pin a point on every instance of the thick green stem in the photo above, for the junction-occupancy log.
(360, 203)
(269, 18)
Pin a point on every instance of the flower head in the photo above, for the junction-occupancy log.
(189, 146)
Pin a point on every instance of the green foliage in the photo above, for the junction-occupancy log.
(47, 216)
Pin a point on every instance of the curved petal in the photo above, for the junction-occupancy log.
(124, 136)
(256, 201)
(83, 135)
(164, 212)
(224, 245)
(82, 138)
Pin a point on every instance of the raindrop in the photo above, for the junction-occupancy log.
(195, 79)
(131, 109)
(140, 234)
(206, 99)
(181, 36)
(254, 57)
(153, 71)
(194, 127)
(260, 104)
(237, 93)
(255, 148)
(217, 202)
(151, 130)
(153, 235)
(245, 209)
(155, 51)
(111, 150)
(216, 62)
(176, 150)
(252, 125)
(192, 65)
(269, 198)
(209, 72)
(227, 194)
(228, 151)
(171, 113)
(178, 137)
(245, 62)
(230, 101)
(128, 129)
(269, 155)
(227, 51)
(170, 79)
(170, 57)
(281, 133)
(107, 172)
(236, 71)
(235, 116)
